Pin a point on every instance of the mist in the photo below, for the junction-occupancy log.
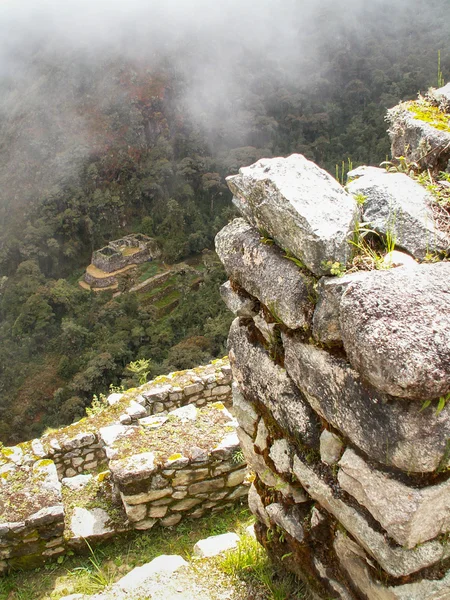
(222, 56)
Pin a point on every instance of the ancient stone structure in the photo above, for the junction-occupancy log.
(158, 453)
(118, 257)
(341, 384)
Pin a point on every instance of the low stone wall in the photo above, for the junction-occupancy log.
(132, 465)
(342, 384)
(100, 282)
(31, 511)
(79, 448)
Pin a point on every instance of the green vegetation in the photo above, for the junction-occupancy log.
(151, 166)
(249, 562)
(425, 111)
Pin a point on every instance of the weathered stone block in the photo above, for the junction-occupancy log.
(395, 560)
(264, 273)
(390, 430)
(409, 515)
(396, 330)
(260, 378)
(238, 303)
(301, 206)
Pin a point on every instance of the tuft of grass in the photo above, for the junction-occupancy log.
(250, 563)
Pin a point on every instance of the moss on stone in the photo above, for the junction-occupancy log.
(426, 112)
(176, 436)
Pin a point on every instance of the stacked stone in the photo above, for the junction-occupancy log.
(79, 449)
(195, 386)
(31, 510)
(73, 454)
(341, 383)
(198, 469)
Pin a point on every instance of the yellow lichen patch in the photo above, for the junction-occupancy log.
(103, 475)
(218, 405)
(426, 112)
(175, 456)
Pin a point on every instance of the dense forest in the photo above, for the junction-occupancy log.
(94, 146)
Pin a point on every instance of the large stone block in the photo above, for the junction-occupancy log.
(393, 431)
(264, 273)
(300, 205)
(409, 515)
(354, 562)
(396, 330)
(395, 560)
(260, 378)
(397, 204)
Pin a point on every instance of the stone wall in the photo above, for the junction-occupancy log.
(111, 258)
(342, 383)
(132, 465)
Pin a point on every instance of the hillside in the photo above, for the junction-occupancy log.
(99, 139)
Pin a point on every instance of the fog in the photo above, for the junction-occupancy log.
(220, 51)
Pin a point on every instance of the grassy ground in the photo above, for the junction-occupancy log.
(246, 569)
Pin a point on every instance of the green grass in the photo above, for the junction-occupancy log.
(168, 299)
(113, 559)
(250, 563)
(148, 270)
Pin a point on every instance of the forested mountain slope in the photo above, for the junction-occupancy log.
(134, 129)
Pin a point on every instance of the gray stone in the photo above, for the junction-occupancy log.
(185, 413)
(171, 520)
(331, 447)
(390, 430)
(395, 560)
(193, 388)
(267, 330)
(45, 516)
(114, 398)
(397, 204)
(256, 461)
(396, 259)
(157, 512)
(135, 512)
(354, 562)
(264, 273)
(261, 436)
(162, 565)
(301, 206)
(288, 518)
(209, 485)
(111, 433)
(185, 504)
(136, 410)
(326, 323)
(133, 468)
(77, 483)
(441, 97)
(409, 515)
(239, 304)
(260, 378)
(236, 477)
(145, 525)
(215, 544)
(147, 496)
(396, 330)
(187, 477)
(417, 140)
(244, 411)
(281, 454)
(80, 440)
(88, 523)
